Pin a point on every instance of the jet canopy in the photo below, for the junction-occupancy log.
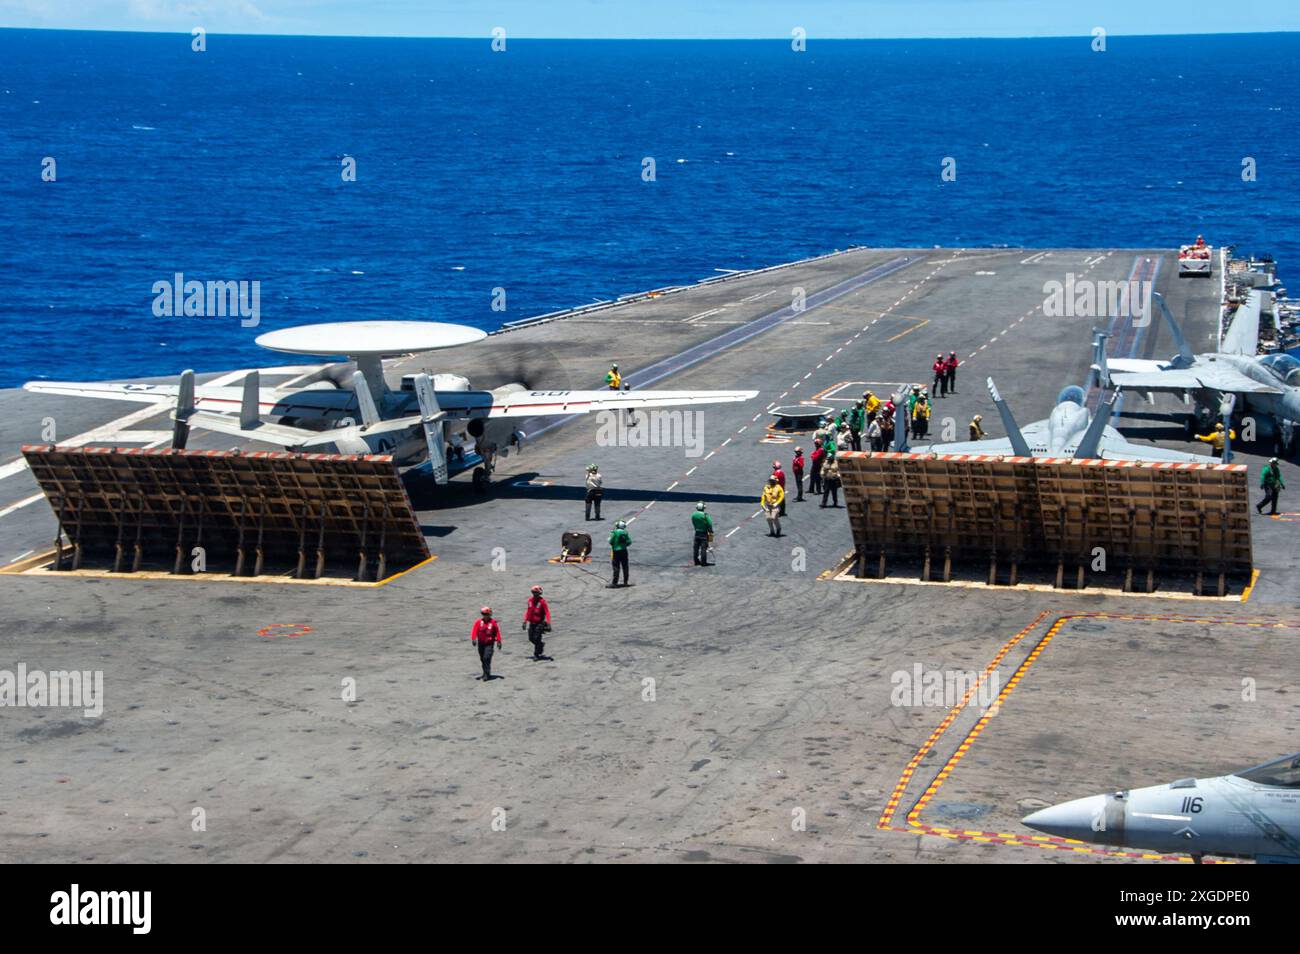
(1284, 773)
(1283, 366)
(1073, 394)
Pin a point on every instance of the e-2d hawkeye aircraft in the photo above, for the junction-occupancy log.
(1070, 431)
(1252, 814)
(434, 417)
(1268, 385)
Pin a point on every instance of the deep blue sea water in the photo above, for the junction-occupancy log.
(522, 170)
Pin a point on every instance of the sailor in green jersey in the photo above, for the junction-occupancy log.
(619, 541)
(857, 421)
(1270, 481)
(703, 525)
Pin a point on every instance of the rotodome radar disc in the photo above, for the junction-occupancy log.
(370, 337)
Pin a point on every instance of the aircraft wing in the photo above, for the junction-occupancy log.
(294, 437)
(1117, 448)
(992, 445)
(1135, 365)
(540, 403)
(206, 397)
(1225, 379)
(140, 393)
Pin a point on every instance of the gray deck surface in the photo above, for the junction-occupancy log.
(771, 688)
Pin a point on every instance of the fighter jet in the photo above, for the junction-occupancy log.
(351, 409)
(1070, 431)
(1252, 814)
(1268, 385)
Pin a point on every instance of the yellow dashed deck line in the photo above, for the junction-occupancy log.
(916, 826)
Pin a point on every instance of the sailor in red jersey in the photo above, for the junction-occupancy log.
(537, 620)
(486, 635)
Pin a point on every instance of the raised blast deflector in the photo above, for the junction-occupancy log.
(246, 514)
(1075, 522)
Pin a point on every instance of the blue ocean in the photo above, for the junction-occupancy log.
(522, 170)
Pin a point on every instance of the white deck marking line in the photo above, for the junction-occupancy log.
(709, 454)
(692, 470)
(647, 506)
(733, 530)
(13, 467)
(20, 504)
(671, 486)
(21, 555)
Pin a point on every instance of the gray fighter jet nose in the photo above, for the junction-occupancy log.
(1082, 818)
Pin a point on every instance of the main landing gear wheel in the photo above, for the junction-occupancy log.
(481, 480)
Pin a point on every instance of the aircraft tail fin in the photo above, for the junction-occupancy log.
(1018, 443)
(1099, 373)
(184, 410)
(431, 416)
(365, 400)
(1225, 414)
(900, 413)
(1091, 440)
(248, 406)
(1185, 357)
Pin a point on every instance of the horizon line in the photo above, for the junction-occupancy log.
(644, 39)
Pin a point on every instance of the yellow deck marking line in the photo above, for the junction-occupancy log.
(923, 323)
(916, 826)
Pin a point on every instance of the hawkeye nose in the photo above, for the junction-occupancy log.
(1083, 819)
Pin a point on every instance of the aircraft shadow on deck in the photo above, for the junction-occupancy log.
(427, 496)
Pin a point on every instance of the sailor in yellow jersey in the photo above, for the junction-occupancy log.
(771, 500)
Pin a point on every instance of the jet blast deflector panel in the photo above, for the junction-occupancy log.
(1080, 522)
(301, 516)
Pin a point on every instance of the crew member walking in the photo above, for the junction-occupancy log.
(771, 500)
(950, 373)
(1270, 481)
(976, 431)
(537, 620)
(940, 369)
(619, 541)
(595, 490)
(613, 380)
(486, 637)
(703, 525)
(796, 468)
(779, 474)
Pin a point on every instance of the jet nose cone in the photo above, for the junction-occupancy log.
(1079, 819)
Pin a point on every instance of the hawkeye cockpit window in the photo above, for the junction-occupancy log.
(1284, 773)
(1283, 366)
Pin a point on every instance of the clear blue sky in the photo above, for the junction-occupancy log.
(661, 18)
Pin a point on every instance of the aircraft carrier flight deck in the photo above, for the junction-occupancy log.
(745, 711)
